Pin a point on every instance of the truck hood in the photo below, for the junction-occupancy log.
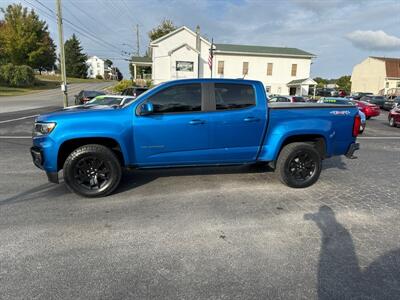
(75, 111)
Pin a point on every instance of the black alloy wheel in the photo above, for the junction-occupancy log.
(92, 171)
(299, 165)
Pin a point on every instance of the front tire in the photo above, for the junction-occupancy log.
(92, 171)
(299, 165)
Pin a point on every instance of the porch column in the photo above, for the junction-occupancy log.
(134, 72)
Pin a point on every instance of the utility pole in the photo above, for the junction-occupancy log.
(64, 88)
(137, 40)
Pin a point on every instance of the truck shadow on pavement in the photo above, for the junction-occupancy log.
(339, 273)
(135, 178)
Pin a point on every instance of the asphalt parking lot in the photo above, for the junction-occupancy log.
(203, 233)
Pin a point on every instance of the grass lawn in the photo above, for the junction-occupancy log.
(43, 82)
(39, 86)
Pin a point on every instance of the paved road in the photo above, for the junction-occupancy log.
(204, 233)
(46, 98)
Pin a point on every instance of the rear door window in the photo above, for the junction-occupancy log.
(234, 96)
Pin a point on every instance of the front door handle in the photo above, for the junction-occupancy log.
(251, 119)
(197, 122)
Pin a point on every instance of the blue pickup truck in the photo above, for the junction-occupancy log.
(193, 122)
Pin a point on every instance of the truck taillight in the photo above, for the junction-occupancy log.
(356, 125)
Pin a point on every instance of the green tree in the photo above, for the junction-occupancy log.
(320, 82)
(344, 83)
(75, 59)
(25, 39)
(164, 28)
(119, 74)
(108, 63)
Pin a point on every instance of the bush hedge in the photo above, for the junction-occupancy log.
(123, 84)
(17, 76)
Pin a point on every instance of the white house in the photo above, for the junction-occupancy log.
(184, 54)
(98, 66)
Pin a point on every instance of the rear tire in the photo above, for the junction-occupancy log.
(92, 171)
(299, 165)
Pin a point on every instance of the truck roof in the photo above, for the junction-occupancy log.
(219, 80)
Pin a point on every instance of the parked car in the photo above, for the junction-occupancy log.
(394, 117)
(335, 100)
(390, 104)
(363, 121)
(326, 92)
(109, 100)
(369, 109)
(291, 99)
(359, 95)
(342, 93)
(134, 91)
(85, 96)
(192, 122)
(377, 100)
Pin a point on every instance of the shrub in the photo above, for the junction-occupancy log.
(123, 84)
(17, 76)
(149, 83)
(98, 76)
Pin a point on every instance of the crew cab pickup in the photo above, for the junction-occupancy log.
(192, 122)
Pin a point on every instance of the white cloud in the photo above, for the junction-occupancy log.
(374, 40)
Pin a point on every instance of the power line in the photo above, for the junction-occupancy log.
(82, 31)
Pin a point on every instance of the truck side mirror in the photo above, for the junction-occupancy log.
(146, 109)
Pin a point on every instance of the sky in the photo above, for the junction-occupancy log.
(341, 33)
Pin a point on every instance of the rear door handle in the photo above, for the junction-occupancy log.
(251, 119)
(197, 122)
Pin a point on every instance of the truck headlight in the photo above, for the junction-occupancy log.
(40, 128)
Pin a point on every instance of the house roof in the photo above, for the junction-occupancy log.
(174, 32)
(141, 59)
(392, 66)
(265, 50)
(305, 81)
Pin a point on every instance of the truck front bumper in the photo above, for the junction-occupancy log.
(38, 160)
(353, 148)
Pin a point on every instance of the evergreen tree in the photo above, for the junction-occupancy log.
(75, 59)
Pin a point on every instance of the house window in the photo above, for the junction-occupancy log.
(269, 69)
(294, 69)
(398, 84)
(221, 67)
(245, 68)
(184, 66)
(387, 85)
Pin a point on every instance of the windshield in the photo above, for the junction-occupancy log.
(138, 97)
(340, 101)
(101, 100)
(92, 94)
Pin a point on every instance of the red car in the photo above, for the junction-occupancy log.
(394, 117)
(370, 110)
